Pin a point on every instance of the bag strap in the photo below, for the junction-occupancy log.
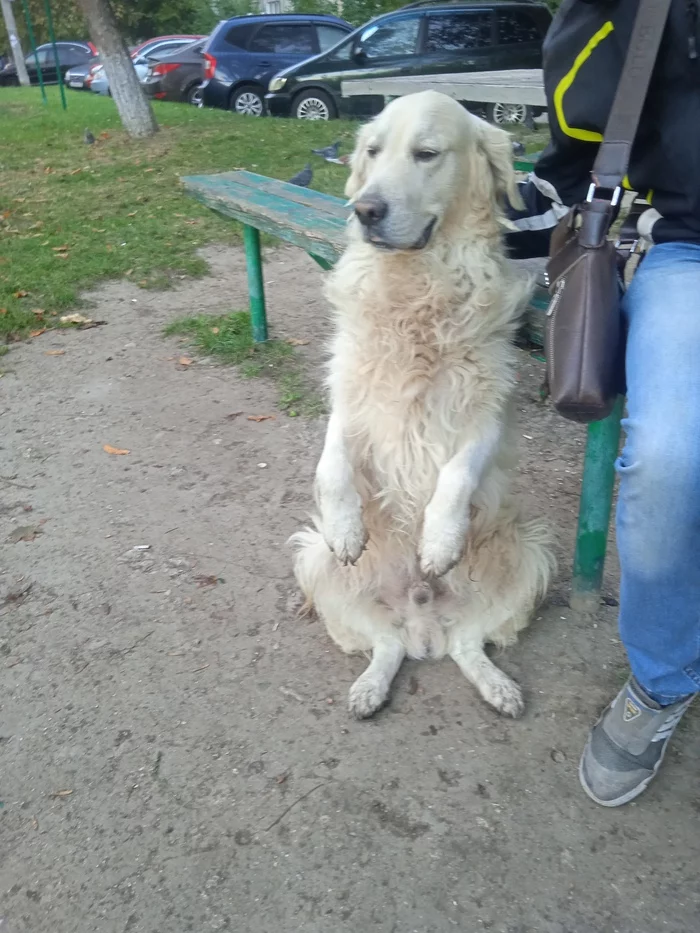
(614, 153)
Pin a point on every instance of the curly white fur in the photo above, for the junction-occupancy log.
(418, 547)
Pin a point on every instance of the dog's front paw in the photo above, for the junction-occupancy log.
(344, 532)
(438, 557)
(504, 695)
(367, 695)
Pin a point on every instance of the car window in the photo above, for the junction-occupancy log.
(514, 27)
(344, 52)
(284, 38)
(238, 35)
(394, 39)
(45, 57)
(166, 48)
(328, 36)
(457, 32)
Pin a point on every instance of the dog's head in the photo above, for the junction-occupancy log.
(423, 165)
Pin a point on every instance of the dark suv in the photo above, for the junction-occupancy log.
(243, 53)
(421, 39)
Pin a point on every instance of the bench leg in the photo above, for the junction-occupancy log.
(594, 509)
(256, 289)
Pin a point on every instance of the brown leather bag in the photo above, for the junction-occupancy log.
(584, 334)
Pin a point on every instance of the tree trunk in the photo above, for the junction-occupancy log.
(15, 45)
(134, 109)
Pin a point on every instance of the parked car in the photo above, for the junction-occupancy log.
(75, 77)
(69, 55)
(420, 39)
(177, 76)
(140, 56)
(244, 53)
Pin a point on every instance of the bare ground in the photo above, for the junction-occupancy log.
(175, 750)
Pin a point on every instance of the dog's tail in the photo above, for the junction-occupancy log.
(312, 558)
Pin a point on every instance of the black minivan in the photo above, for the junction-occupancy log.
(423, 38)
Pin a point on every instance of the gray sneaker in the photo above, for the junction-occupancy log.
(627, 745)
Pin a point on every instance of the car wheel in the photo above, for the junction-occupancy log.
(248, 101)
(314, 105)
(509, 114)
(193, 95)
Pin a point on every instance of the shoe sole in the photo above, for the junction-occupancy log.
(631, 794)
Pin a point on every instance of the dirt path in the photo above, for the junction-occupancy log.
(175, 753)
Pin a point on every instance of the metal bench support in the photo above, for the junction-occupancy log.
(256, 288)
(594, 510)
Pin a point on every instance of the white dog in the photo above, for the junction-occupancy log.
(419, 549)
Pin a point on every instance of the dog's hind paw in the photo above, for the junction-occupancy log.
(367, 695)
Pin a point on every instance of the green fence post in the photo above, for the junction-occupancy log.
(256, 288)
(32, 42)
(52, 37)
(594, 509)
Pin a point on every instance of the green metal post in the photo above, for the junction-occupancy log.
(256, 289)
(323, 263)
(32, 41)
(52, 37)
(594, 509)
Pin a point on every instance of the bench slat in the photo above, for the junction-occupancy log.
(272, 210)
(323, 203)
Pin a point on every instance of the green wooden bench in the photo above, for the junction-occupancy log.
(316, 223)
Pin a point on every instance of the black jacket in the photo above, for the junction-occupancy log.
(583, 55)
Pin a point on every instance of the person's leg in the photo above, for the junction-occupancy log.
(658, 527)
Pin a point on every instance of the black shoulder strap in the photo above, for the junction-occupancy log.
(614, 154)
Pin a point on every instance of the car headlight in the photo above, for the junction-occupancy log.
(277, 84)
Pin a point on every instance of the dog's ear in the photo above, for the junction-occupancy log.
(498, 148)
(358, 164)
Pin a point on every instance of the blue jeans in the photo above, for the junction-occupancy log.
(658, 516)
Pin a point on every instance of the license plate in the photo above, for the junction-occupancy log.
(75, 84)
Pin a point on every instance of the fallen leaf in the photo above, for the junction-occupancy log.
(35, 823)
(104, 135)
(37, 333)
(259, 418)
(95, 230)
(296, 342)
(281, 778)
(59, 249)
(185, 361)
(54, 352)
(116, 451)
(48, 170)
(132, 214)
(204, 580)
(76, 171)
(75, 319)
(215, 330)
(24, 533)
(62, 255)
(20, 200)
(38, 311)
(3, 310)
(60, 793)
(129, 272)
(20, 293)
(149, 170)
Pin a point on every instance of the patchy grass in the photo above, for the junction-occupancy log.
(230, 338)
(72, 214)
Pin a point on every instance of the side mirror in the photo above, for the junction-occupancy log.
(358, 54)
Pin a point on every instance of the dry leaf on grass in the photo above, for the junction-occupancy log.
(215, 330)
(185, 361)
(75, 319)
(37, 333)
(24, 533)
(62, 255)
(3, 310)
(60, 793)
(21, 293)
(115, 451)
(38, 311)
(132, 214)
(59, 249)
(259, 418)
(54, 352)
(296, 342)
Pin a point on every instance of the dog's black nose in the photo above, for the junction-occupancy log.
(370, 210)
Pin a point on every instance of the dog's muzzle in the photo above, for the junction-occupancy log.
(372, 212)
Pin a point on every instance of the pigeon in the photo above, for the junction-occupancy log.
(88, 138)
(303, 178)
(518, 148)
(329, 152)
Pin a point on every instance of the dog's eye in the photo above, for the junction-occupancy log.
(425, 155)
(372, 151)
